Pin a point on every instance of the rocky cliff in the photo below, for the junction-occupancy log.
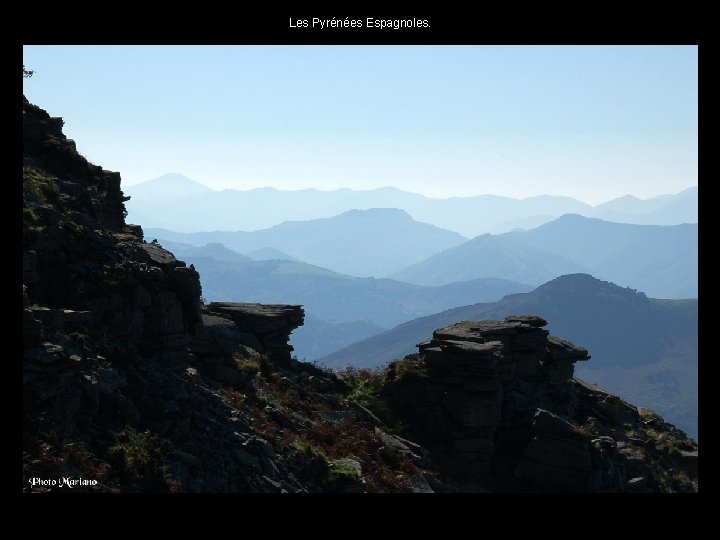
(131, 384)
(497, 405)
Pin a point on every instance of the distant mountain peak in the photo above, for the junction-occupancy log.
(167, 186)
(588, 284)
(574, 216)
(578, 278)
(628, 197)
(569, 220)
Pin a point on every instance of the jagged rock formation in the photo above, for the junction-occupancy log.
(129, 384)
(264, 327)
(231, 332)
(496, 401)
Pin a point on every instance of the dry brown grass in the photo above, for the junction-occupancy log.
(353, 437)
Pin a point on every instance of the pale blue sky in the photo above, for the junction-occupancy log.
(588, 122)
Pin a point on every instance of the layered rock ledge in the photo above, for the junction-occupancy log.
(264, 327)
(496, 402)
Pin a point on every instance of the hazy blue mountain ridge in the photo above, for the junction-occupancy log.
(363, 243)
(470, 216)
(659, 260)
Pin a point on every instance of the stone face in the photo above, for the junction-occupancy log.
(560, 349)
(345, 476)
(270, 324)
(420, 485)
(555, 463)
(393, 443)
(547, 422)
(113, 331)
(216, 335)
(556, 457)
(495, 399)
(530, 320)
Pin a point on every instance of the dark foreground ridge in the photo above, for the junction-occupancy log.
(131, 385)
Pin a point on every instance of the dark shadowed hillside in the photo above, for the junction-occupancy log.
(639, 344)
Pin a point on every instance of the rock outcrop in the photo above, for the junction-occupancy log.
(232, 332)
(264, 327)
(496, 402)
(129, 384)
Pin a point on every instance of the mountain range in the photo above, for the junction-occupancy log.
(363, 243)
(662, 261)
(341, 309)
(219, 252)
(641, 347)
(177, 203)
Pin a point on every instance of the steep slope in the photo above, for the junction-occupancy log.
(496, 404)
(364, 243)
(129, 386)
(658, 260)
(641, 346)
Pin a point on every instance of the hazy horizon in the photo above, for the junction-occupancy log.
(390, 187)
(589, 122)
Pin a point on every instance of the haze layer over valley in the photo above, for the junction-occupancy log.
(178, 203)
